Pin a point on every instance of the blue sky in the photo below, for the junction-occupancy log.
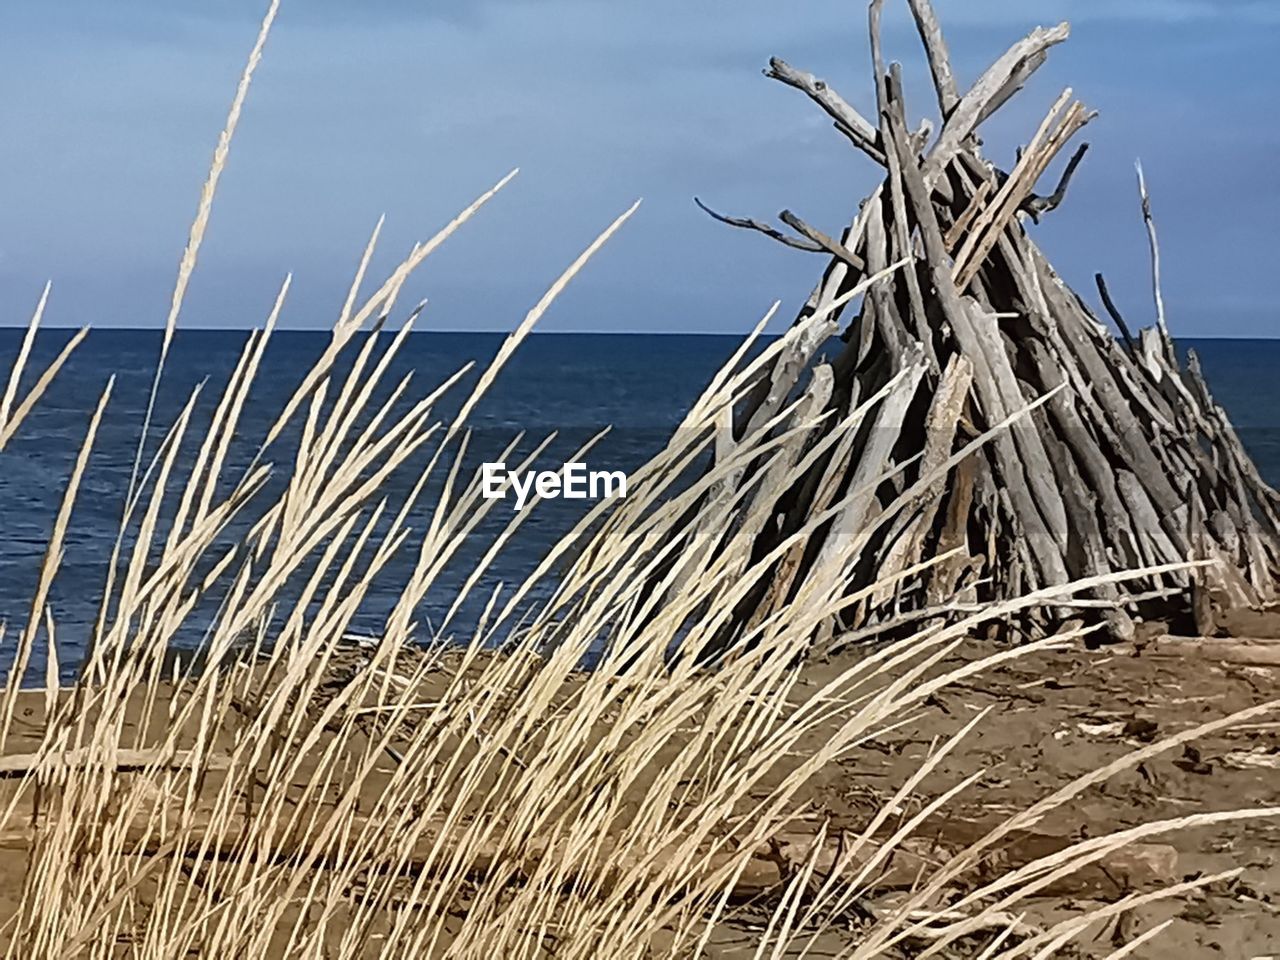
(413, 108)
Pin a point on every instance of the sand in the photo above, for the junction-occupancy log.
(1053, 716)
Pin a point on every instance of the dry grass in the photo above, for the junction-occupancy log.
(528, 809)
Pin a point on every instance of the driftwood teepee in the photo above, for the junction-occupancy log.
(1127, 464)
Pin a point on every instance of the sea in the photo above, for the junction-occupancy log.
(571, 385)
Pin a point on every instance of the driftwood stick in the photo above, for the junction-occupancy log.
(957, 230)
(20, 764)
(1112, 311)
(946, 577)
(746, 223)
(1243, 652)
(1098, 350)
(820, 493)
(981, 99)
(885, 429)
(1135, 443)
(1154, 242)
(906, 538)
(810, 406)
(824, 242)
(1037, 206)
(1017, 80)
(918, 316)
(1096, 478)
(882, 308)
(767, 398)
(935, 48)
(1201, 601)
(991, 224)
(848, 120)
(1244, 514)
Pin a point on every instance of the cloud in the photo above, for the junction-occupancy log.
(997, 12)
(414, 108)
(955, 12)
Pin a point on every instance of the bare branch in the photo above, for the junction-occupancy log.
(1155, 262)
(827, 243)
(971, 212)
(1037, 205)
(993, 88)
(897, 198)
(772, 233)
(1114, 312)
(848, 120)
(1021, 74)
(935, 47)
(1016, 191)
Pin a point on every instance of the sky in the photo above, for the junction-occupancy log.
(412, 108)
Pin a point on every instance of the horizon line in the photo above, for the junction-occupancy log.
(504, 332)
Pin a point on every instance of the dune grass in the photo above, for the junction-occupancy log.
(528, 808)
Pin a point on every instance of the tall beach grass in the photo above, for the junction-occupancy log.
(311, 797)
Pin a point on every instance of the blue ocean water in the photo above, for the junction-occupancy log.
(571, 384)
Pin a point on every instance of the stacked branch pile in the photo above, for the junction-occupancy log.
(1123, 460)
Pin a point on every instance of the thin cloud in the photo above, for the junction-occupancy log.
(994, 12)
(412, 108)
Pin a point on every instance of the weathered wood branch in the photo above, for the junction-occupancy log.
(1114, 312)
(1001, 80)
(1244, 652)
(848, 120)
(824, 242)
(1037, 206)
(902, 243)
(773, 233)
(22, 764)
(935, 47)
